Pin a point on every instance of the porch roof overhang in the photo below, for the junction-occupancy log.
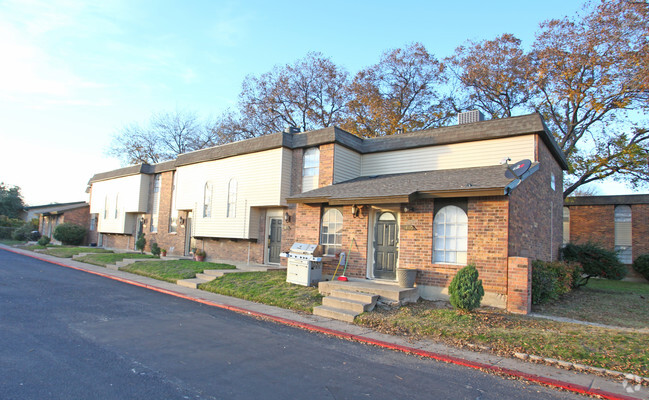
(408, 187)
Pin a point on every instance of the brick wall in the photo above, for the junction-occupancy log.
(117, 241)
(593, 224)
(173, 242)
(326, 173)
(536, 211)
(519, 288)
(640, 229)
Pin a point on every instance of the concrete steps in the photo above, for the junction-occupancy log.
(345, 305)
(335, 313)
(191, 283)
(209, 275)
(345, 300)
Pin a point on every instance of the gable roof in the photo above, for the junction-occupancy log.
(483, 130)
(56, 207)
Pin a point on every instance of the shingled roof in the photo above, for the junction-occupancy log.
(483, 130)
(406, 187)
(607, 200)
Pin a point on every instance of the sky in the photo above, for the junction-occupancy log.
(72, 73)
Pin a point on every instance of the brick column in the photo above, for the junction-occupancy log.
(519, 285)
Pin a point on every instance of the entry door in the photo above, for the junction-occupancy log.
(385, 246)
(188, 234)
(139, 228)
(275, 240)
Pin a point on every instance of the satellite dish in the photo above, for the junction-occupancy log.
(517, 170)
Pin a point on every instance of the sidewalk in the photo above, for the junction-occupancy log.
(567, 379)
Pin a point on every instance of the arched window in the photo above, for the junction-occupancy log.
(331, 232)
(623, 234)
(310, 169)
(450, 232)
(232, 199)
(207, 200)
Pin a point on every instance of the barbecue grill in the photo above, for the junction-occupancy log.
(304, 266)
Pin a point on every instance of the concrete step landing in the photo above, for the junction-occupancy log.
(335, 313)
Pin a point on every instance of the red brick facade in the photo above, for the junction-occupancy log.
(640, 229)
(536, 212)
(593, 224)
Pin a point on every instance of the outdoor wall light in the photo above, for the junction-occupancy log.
(355, 210)
(287, 217)
(181, 220)
(407, 209)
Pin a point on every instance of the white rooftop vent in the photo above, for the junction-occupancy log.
(469, 117)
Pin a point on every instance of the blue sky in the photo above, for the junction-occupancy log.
(74, 72)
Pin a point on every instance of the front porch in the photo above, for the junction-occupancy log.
(346, 299)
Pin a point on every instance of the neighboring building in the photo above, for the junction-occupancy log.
(434, 200)
(619, 223)
(51, 215)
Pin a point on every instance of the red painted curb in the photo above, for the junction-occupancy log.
(314, 328)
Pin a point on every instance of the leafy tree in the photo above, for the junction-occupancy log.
(311, 93)
(493, 75)
(401, 91)
(166, 135)
(11, 201)
(588, 72)
(69, 233)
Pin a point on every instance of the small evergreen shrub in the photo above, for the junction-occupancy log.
(44, 241)
(140, 243)
(465, 289)
(641, 264)
(155, 249)
(595, 260)
(69, 233)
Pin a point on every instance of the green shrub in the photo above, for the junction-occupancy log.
(155, 249)
(69, 233)
(6, 232)
(641, 264)
(595, 260)
(465, 289)
(550, 280)
(140, 242)
(26, 233)
(44, 241)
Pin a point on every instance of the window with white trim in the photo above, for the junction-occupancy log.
(106, 207)
(116, 206)
(566, 225)
(231, 211)
(156, 203)
(450, 235)
(310, 169)
(207, 200)
(623, 241)
(331, 231)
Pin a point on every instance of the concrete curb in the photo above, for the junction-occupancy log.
(544, 380)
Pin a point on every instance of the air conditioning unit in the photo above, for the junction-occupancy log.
(469, 117)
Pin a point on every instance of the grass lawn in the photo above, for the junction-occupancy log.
(507, 333)
(266, 287)
(68, 252)
(103, 259)
(606, 302)
(172, 270)
(11, 242)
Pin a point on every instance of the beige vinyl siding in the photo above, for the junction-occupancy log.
(132, 192)
(261, 180)
(457, 155)
(347, 164)
(287, 172)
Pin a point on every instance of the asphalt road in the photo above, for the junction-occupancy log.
(66, 334)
